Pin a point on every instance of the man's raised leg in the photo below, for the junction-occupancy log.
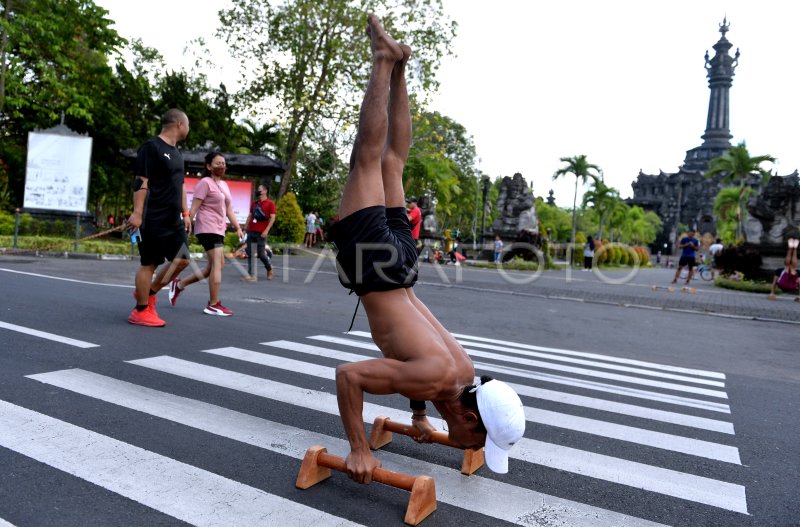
(398, 139)
(364, 186)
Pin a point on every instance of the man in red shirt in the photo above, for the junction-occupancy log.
(258, 224)
(415, 219)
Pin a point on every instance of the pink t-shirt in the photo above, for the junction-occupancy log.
(215, 196)
(788, 281)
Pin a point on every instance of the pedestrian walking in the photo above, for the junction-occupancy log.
(259, 222)
(588, 254)
(160, 216)
(688, 246)
(498, 249)
(211, 204)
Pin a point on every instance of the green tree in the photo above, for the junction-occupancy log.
(322, 178)
(312, 57)
(553, 219)
(601, 197)
(289, 223)
(441, 163)
(579, 167)
(53, 61)
(725, 208)
(736, 167)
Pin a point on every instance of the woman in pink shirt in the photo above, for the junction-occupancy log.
(211, 204)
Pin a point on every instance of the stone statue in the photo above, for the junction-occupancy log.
(516, 204)
(430, 226)
(774, 213)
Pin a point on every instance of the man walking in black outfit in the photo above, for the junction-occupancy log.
(160, 214)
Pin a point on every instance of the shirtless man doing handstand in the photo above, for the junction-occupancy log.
(377, 259)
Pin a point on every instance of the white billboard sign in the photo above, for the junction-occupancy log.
(57, 172)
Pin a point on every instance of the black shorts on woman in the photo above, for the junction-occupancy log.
(375, 250)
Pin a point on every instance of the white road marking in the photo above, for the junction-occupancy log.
(474, 493)
(180, 490)
(655, 479)
(641, 436)
(64, 279)
(654, 365)
(48, 336)
(527, 374)
(556, 354)
(552, 366)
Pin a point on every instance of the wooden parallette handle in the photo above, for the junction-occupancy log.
(317, 465)
(381, 435)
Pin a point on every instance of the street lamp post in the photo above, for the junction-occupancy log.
(486, 185)
(475, 217)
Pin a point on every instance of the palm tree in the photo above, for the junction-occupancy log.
(736, 166)
(725, 209)
(582, 170)
(601, 197)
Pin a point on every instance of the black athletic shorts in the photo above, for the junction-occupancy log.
(160, 245)
(375, 250)
(210, 241)
(687, 260)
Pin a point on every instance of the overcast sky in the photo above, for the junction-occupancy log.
(620, 81)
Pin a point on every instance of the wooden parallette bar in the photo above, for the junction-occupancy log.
(381, 435)
(317, 465)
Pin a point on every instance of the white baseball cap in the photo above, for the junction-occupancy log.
(504, 419)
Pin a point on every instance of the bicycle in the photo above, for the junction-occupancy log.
(703, 270)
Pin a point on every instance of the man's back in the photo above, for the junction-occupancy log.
(406, 331)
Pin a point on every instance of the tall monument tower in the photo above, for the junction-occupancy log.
(720, 71)
(685, 199)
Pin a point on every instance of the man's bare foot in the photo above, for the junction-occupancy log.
(406, 53)
(772, 296)
(383, 46)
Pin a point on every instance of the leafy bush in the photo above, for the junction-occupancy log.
(290, 226)
(746, 261)
(7, 223)
(742, 285)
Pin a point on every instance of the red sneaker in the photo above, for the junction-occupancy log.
(146, 317)
(217, 309)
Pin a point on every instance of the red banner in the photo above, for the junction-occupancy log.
(241, 196)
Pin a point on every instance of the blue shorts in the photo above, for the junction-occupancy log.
(375, 250)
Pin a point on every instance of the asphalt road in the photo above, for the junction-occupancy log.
(643, 405)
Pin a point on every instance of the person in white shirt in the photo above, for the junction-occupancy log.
(311, 229)
(713, 251)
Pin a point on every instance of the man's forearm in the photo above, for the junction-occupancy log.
(351, 404)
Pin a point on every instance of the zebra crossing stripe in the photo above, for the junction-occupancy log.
(605, 387)
(655, 479)
(584, 362)
(504, 345)
(527, 374)
(49, 336)
(708, 491)
(551, 366)
(177, 489)
(684, 445)
(475, 493)
(597, 364)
